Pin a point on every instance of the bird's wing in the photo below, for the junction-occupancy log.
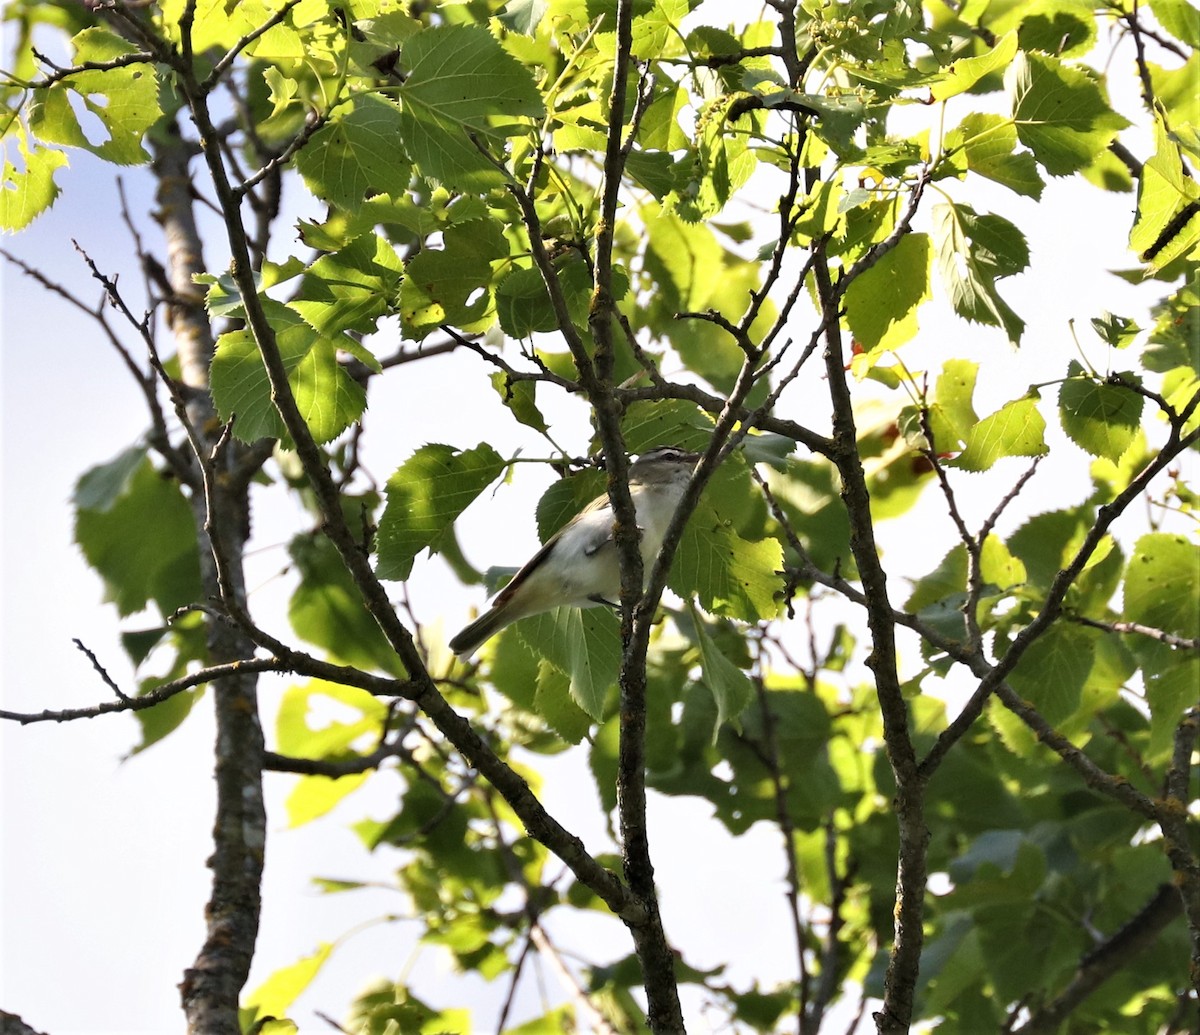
(594, 525)
(530, 565)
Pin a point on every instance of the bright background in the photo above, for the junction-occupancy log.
(104, 881)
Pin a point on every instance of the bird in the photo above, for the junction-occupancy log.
(578, 566)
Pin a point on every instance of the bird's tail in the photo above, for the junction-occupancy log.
(479, 631)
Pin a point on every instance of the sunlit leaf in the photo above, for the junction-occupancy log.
(1061, 112)
(328, 398)
(425, 496)
(26, 192)
(966, 72)
(881, 303)
(1168, 221)
(1016, 429)
(461, 92)
(973, 252)
(1100, 417)
(275, 996)
(726, 573)
(989, 145)
(1162, 586)
(123, 100)
(356, 154)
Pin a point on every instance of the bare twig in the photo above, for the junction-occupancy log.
(60, 73)
(595, 1019)
(1170, 639)
(159, 694)
(102, 672)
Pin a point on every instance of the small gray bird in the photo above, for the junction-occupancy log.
(578, 566)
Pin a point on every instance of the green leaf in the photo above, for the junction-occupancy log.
(327, 609)
(523, 304)
(730, 686)
(1180, 18)
(1052, 672)
(356, 154)
(1164, 230)
(583, 644)
(973, 252)
(442, 285)
(160, 562)
(965, 73)
(27, 192)
(729, 575)
(460, 95)
(1171, 681)
(425, 497)
(295, 735)
(185, 642)
(947, 579)
(1047, 542)
(124, 100)
(566, 498)
(1016, 429)
(1178, 100)
(350, 289)
(684, 260)
(654, 170)
(523, 15)
(1100, 417)
(1061, 112)
(720, 162)
(328, 398)
(1116, 331)
(521, 399)
(988, 143)
(316, 796)
(1162, 584)
(670, 422)
(275, 996)
(554, 702)
(100, 487)
(166, 716)
(952, 414)
(881, 304)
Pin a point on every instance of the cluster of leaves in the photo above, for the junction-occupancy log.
(461, 154)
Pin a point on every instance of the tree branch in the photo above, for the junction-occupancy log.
(992, 675)
(1105, 960)
(453, 726)
(1170, 639)
(904, 960)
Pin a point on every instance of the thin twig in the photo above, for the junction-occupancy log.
(224, 63)
(1170, 639)
(161, 693)
(102, 672)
